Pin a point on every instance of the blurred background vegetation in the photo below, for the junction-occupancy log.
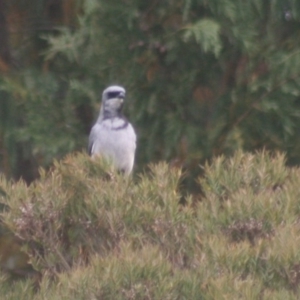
(203, 78)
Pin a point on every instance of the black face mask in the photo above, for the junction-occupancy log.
(111, 95)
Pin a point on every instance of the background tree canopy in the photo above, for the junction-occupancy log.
(202, 77)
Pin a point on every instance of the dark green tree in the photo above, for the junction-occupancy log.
(203, 78)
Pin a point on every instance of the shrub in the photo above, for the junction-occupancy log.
(93, 234)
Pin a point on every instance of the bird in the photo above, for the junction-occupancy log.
(112, 136)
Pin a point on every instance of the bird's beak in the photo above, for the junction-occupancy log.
(121, 95)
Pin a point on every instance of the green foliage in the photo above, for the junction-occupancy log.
(207, 34)
(94, 234)
(203, 78)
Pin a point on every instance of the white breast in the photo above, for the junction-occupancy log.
(116, 140)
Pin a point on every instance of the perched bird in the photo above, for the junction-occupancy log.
(113, 136)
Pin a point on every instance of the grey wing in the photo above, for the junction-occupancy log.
(92, 139)
(132, 134)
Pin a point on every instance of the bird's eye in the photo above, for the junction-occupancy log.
(111, 95)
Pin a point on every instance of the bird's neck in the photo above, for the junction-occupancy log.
(109, 114)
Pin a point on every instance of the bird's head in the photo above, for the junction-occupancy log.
(112, 100)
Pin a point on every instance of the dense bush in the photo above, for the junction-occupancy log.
(93, 234)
